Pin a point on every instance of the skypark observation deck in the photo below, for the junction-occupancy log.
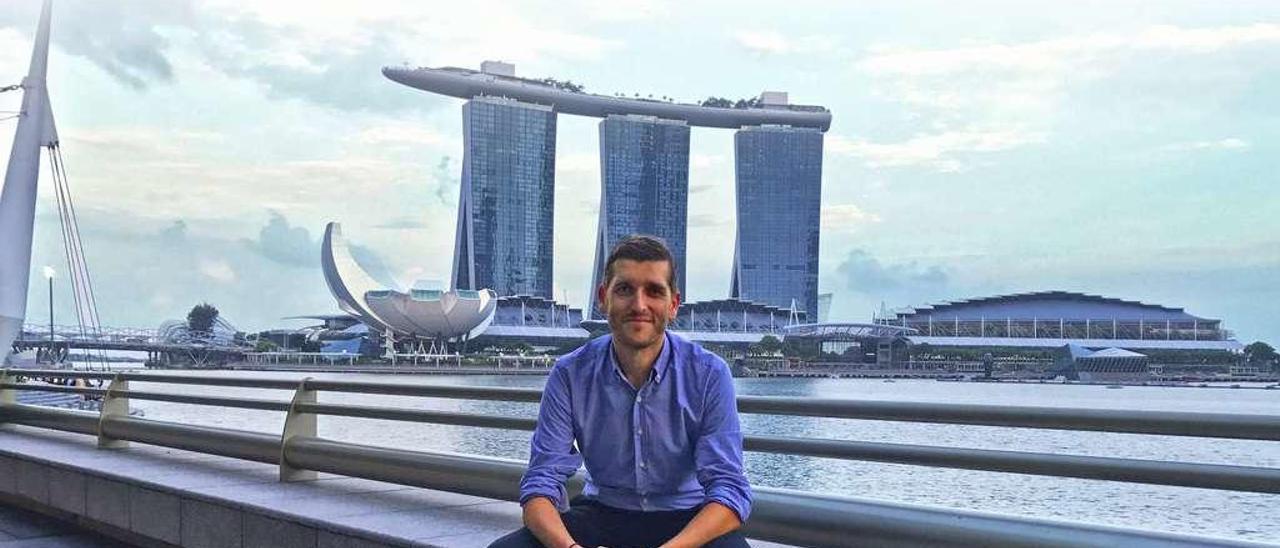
(467, 84)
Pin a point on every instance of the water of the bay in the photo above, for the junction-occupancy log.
(1245, 516)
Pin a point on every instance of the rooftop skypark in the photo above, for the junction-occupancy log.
(499, 79)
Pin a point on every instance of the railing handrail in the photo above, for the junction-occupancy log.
(776, 515)
(1176, 423)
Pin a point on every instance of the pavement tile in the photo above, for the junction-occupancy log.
(207, 525)
(265, 532)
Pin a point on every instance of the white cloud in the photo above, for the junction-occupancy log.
(846, 217)
(1028, 82)
(945, 152)
(400, 134)
(771, 42)
(1060, 53)
(1230, 143)
(217, 269)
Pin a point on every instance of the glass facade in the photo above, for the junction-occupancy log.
(644, 172)
(507, 202)
(779, 194)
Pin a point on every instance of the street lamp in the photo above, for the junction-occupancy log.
(48, 273)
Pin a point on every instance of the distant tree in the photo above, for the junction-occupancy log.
(265, 345)
(769, 344)
(201, 318)
(1260, 353)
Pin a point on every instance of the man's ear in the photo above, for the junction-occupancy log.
(600, 293)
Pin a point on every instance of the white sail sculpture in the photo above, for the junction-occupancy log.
(18, 199)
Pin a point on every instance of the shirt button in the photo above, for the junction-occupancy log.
(639, 432)
(642, 465)
(639, 399)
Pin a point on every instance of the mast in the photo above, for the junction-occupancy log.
(18, 199)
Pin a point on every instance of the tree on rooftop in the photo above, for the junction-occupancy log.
(201, 319)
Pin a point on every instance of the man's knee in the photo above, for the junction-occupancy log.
(519, 539)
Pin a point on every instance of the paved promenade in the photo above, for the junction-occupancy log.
(156, 496)
(23, 529)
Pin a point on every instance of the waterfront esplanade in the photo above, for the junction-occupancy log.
(644, 172)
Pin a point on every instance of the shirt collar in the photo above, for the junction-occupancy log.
(659, 365)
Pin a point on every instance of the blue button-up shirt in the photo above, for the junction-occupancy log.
(674, 444)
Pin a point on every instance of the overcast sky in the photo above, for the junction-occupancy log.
(1106, 147)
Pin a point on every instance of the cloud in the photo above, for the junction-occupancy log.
(217, 269)
(126, 40)
(403, 223)
(1026, 83)
(285, 244)
(771, 42)
(399, 134)
(944, 152)
(845, 217)
(335, 60)
(1230, 143)
(1062, 53)
(863, 273)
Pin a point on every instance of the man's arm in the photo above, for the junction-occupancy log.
(712, 521)
(718, 456)
(543, 519)
(552, 459)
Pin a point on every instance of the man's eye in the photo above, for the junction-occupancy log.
(622, 290)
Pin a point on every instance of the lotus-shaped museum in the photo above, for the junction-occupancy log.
(417, 313)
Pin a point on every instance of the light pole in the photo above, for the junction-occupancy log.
(48, 273)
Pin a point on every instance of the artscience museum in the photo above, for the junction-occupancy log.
(416, 314)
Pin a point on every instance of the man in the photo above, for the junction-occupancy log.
(653, 417)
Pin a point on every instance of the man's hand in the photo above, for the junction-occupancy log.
(543, 519)
(712, 521)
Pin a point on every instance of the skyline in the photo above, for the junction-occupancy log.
(1108, 150)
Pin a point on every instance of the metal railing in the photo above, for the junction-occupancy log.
(779, 515)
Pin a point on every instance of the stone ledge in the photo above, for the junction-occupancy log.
(155, 496)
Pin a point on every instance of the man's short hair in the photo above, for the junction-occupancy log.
(641, 247)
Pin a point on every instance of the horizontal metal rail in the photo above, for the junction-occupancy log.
(529, 395)
(783, 516)
(779, 515)
(82, 390)
(414, 415)
(1208, 425)
(807, 519)
(1182, 474)
(217, 401)
(80, 422)
(202, 439)
(1211, 425)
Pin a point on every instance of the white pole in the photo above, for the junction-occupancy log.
(18, 200)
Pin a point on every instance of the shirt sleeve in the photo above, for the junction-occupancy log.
(552, 457)
(719, 450)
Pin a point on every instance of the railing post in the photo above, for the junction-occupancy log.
(114, 404)
(297, 423)
(8, 396)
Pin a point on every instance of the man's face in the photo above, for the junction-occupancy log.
(638, 302)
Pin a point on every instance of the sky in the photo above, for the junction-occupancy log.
(1120, 148)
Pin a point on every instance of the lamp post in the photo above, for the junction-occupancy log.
(48, 274)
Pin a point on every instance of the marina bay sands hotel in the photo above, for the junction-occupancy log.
(504, 231)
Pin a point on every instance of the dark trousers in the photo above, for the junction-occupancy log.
(593, 524)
